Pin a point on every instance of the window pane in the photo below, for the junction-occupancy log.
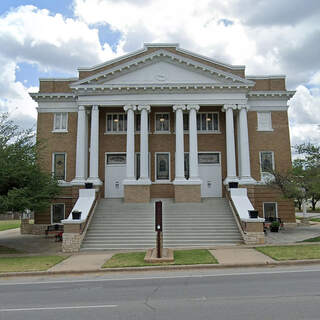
(138, 166)
(64, 121)
(59, 166)
(215, 122)
(186, 165)
(158, 117)
(185, 121)
(270, 211)
(209, 121)
(166, 122)
(198, 122)
(57, 213)
(116, 159)
(109, 122)
(121, 122)
(203, 122)
(138, 122)
(266, 161)
(208, 158)
(115, 123)
(162, 166)
(125, 122)
(57, 121)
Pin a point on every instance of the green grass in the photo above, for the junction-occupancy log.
(6, 250)
(298, 252)
(33, 263)
(9, 224)
(315, 239)
(310, 219)
(181, 257)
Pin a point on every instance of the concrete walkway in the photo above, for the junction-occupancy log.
(238, 256)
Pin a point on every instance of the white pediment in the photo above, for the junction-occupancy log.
(162, 72)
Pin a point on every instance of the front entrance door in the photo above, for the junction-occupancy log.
(115, 173)
(210, 174)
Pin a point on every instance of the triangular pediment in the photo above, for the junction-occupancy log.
(162, 68)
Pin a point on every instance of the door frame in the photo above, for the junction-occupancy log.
(110, 165)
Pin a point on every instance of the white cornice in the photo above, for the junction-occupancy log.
(52, 96)
(264, 77)
(263, 94)
(162, 54)
(58, 79)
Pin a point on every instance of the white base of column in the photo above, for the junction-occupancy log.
(78, 182)
(95, 181)
(130, 181)
(144, 181)
(230, 179)
(247, 180)
(178, 181)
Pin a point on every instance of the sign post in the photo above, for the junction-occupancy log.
(158, 227)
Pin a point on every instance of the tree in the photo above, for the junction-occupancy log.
(23, 185)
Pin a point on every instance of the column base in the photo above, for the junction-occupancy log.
(230, 179)
(187, 192)
(137, 193)
(78, 182)
(95, 181)
(247, 180)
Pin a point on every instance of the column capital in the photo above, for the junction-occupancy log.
(129, 107)
(81, 108)
(243, 106)
(144, 107)
(229, 106)
(179, 107)
(95, 107)
(193, 106)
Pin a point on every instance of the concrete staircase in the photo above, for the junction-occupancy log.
(118, 225)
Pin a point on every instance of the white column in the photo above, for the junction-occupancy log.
(130, 177)
(179, 157)
(144, 150)
(94, 147)
(244, 150)
(231, 151)
(193, 145)
(81, 170)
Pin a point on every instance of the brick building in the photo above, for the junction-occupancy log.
(163, 122)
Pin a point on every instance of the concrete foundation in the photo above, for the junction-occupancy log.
(187, 193)
(137, 193)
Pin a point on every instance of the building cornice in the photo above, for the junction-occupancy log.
(263, 94)
(53, 96)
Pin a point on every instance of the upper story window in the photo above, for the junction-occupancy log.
(138, 122)
(208, 121)
(264, 121)
(60, 122)
(116, 122)
(59, 165)
(266, 164)
(162, 122)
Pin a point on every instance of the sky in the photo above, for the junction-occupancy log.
(52, 38)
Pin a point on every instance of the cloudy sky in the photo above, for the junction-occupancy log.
(51, 38)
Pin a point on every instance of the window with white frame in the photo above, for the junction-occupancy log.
(162, 166)
(186, 165)
(60, 122)
(208, 121)
(137, 166)
(57, 212)
(59, 165)
(162, 122)
(116, 123)
(264, 121)
(138, 122)
(185, 121)
(266, 164)
(270, 211)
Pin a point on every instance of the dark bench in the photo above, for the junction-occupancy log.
(53, 230)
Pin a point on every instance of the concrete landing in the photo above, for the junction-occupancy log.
(240, 256)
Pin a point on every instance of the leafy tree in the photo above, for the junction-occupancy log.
(23, 185)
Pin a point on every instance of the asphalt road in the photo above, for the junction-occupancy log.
(276, 293)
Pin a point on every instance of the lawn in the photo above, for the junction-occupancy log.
(310, 219)
(315, 239)
(33, 263)
(6, 250)
(298, 252)
(181, 257)
(9, 224)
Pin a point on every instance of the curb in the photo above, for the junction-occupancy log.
(163, 268)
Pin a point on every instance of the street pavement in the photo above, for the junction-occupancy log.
(270, 293)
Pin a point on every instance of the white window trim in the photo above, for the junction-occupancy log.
(155, 123)
(266, 129)
(210, 164)
(155, 167)
(209, 131)
(65, 165)
(276, 203)
(114, 132)
(54, 123)
(135, 123)
(136, 164)
(64, 212)
(264, 175)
